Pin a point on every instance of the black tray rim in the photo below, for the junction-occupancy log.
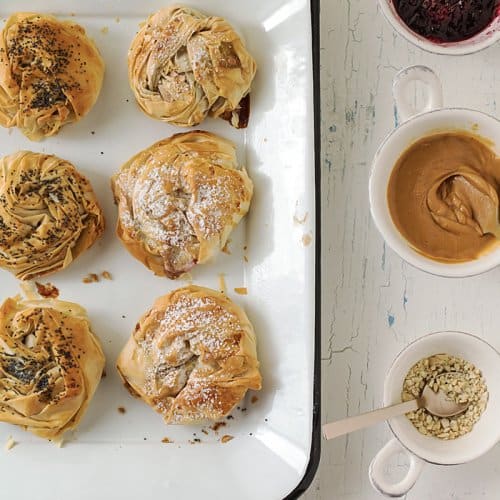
(315, 452)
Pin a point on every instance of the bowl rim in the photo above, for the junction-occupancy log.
(399, 244)
(460, 48)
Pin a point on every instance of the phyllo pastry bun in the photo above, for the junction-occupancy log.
(192, 357)
(179, 200)
(50, 365)
(184, 65)
(50, 74)
(49, 214)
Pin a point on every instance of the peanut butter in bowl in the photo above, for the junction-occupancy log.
(443, 196)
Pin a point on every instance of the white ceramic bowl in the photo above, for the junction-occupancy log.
(420, 448)
(487, 37)
(413, 129)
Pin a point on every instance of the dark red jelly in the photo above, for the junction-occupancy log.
(447, 20)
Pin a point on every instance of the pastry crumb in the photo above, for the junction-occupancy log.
(104, 30)
(241, 290)
(307, 239)
(245, 258)
(10, 443)
(47, 290)
(225, 248)
(117, 19)
(91, 278)
(222, 283)
(300, 220)
(204, 431)
(106, 275)
(59, 442)
(217, 426)
(166, 440)
(122, 410)
(226, 438)
(254, 399)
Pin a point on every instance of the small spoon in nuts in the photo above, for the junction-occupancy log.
(437, 403)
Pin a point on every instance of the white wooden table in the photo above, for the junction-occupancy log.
(373, 303)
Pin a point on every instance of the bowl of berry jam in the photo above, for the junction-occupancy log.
(452, 27)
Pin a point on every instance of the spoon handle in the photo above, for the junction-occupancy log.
(341, 427)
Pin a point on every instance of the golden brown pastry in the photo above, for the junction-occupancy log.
(192, 357)
(184, 66)
(178, 201)
(50, 74)
(48, 214)
(50, 365)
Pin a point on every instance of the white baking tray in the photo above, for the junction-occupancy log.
(114, 455)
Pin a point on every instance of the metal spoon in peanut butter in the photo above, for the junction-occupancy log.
(443, 196)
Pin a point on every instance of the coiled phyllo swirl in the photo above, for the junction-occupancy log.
(179, 200)
(48, 214)
(50, 365)
(192, 357)
(51, 74)
(184, 66)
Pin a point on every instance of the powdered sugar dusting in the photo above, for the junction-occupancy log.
(200, 58)
(180, 196)
(185, 345)
(211, 204)
(159, 212)
(205, 323)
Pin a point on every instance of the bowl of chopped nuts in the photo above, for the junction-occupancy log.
(466, 368)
